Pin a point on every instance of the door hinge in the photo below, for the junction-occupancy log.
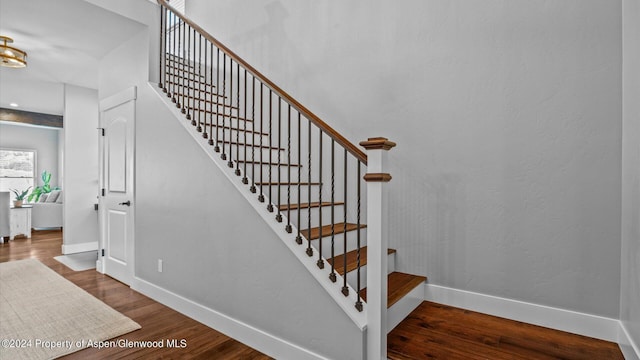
(101, 131)
(102, 252)
(102, 192)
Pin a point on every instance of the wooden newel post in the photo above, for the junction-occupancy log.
(377, 245)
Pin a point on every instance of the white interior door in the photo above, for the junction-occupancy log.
(117, 123)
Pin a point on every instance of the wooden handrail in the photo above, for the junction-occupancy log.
(332, 133)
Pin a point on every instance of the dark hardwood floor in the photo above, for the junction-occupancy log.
(158, 321)
(435, 331)
(432, 331)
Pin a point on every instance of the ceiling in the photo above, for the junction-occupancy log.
(64, 40)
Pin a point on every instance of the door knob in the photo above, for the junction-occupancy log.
(128, 203)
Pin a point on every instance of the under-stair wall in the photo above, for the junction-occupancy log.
(216, 264)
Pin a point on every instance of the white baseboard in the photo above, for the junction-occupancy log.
(629, 348)
(565, 320)
(247, 334)
(78, 248)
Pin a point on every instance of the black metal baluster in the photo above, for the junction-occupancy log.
(261, 196)
(230, 162)
(332, 275)
(204, 79)
(245, 180)
(359, 287)
(167, 44)
(196, 74)
(270, 206)
(192, 89)
(253, 135)
(345, 288)
(279, 215)
(163, 60)
(223, 156)
(309, 249)
(237, 172)
(299, 237)
(180, 73)
(189, 97)
(212, 100)
(217, 101)
(320, 262)
(288, 228)
(173, 59)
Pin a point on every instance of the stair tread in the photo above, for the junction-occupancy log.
(398, 285)
(215, 105)
(178, 80)
(249, 145)
(207, 92)
(352, 260)
(254, 132)
(268, 163)
(339, 228)
(181, 63)
(286, 183)
(217, 114)
(306, 205)
(192, 75)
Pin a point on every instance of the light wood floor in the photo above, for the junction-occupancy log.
(432, 331)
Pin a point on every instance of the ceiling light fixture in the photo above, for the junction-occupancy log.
(10, 56)
(13, 105)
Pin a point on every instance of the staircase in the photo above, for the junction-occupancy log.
(309, 176)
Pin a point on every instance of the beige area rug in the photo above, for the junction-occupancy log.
(44, 316)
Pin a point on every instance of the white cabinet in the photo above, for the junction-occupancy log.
(20, 222)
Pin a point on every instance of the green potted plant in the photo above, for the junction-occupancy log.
(19, 196)
(44, 189)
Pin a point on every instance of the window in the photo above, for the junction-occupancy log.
(17, 169)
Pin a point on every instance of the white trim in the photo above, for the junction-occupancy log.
(346, 303)
(565, 320)
(121, 97)
(78, 248)
(245, 333)
(629, 348)
(400, 310)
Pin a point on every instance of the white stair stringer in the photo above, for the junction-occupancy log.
(347, 303)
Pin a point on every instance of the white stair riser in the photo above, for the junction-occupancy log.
(179, 71)
(190, 82)
(352, 277)
(400, 310)
(315, 219)
(238, 152)
(257, 139)
(304, 198)
(339, 243)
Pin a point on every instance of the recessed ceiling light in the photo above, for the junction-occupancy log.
(13, 105)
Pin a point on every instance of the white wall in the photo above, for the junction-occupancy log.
(216, 250)
(630, 289)
(80, 168)
(145, 13)
(42, 139)
(32, 95)
(506, 178)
